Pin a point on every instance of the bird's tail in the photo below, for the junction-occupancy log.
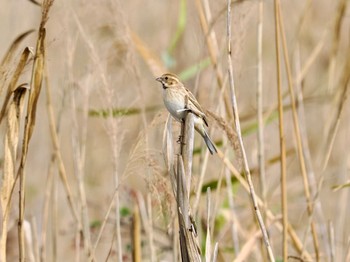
(210, 144)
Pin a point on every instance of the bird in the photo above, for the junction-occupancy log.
(178, 99)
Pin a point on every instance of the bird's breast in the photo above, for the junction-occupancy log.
(174, 102)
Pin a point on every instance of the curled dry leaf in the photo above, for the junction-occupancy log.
(10, 155)
(18, 71)
(10, 53)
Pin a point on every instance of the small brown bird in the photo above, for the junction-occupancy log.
(177, 99)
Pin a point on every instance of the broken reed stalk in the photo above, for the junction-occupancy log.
(190, 250)
(240, 139)
(281, 136)
(189, 246)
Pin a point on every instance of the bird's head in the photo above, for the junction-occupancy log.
(168, 80)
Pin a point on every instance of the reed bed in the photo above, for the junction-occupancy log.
(91, 167)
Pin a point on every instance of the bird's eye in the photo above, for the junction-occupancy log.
(166, 78)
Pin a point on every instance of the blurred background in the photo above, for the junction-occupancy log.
(102, 58)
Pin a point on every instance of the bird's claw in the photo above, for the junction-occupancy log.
(184, 110)
(180, 140)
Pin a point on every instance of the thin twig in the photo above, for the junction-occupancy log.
(259, 98)
(259, 102)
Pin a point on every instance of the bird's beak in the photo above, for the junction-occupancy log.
(159, 79)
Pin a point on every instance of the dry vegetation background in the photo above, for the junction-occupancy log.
(100, 121)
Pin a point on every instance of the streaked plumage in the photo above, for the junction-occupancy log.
(176, 97)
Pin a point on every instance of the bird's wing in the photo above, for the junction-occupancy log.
(195, 106)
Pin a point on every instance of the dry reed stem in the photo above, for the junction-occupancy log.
(187, 151)
(298, 136)
(310, 60)
(46, 207)
(188, 237)
(54, 219)
(176, 238)
(146, 219)
(307, 154)
(103, 225)
(347, 256)
(208, 238)
(14, 115)
(168, 152)
(343, 94)
(281, 134)
(248, 247)
(150, 228)
(28, 234)
(259, 99)
(231, 203)
(112, 128)
(213, 49)
(294, 237)
(136, 235)
(331, 240)
(153, 62)
(35, 2)
(34, 230)
(58, 155)
(188, 243)
(246, 169)
(34, 92)
(199, 185)
(341, 14)
(217, 201)
(79, 152)
(14, 111)
(259, 116)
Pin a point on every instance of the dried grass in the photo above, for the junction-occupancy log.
(99, 153)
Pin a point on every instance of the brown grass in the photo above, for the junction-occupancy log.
(90, 167)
